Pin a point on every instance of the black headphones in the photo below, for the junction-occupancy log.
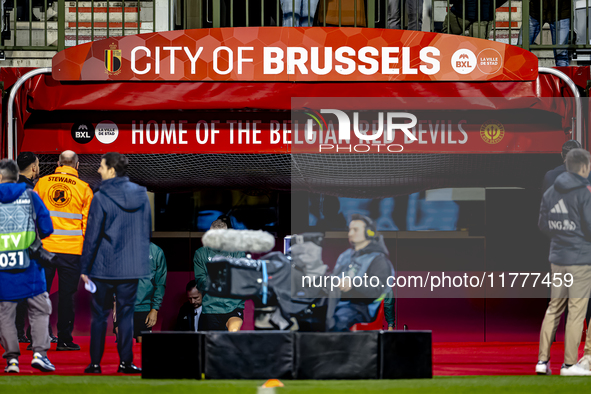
(371, 231)
(227, 220)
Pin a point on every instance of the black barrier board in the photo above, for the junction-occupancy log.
(406, 355)
(347, 355)
(248, 355)
(183, 348)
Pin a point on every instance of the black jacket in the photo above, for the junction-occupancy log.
(551, 176)
(185, 321)
(28, 183)
(487, 10)
(549, 10)
(565, 216)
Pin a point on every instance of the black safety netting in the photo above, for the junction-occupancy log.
(348, 175)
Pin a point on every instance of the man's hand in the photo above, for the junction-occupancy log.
(152, 318)
(84, 278)
(345, 284)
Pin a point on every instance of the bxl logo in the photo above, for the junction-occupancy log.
(463, 61)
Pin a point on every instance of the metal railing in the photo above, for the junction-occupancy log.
(49, 25)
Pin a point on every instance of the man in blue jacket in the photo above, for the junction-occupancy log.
(115, 256)
(368, 255)
(565, 216)
(22, 215)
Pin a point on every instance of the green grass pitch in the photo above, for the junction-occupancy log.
(467, 384)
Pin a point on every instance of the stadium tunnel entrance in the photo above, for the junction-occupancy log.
(460, 208)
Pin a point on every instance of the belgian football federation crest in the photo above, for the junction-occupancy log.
(113, 60)
(492, 132)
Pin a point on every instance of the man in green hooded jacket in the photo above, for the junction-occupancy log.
(150, 293)
(218, 314)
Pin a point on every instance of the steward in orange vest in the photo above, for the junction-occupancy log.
(68, 200)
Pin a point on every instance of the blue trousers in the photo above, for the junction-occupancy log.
(560, 35)
(102, 305)
(348, 313)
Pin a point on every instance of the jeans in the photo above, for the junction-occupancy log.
(298, 10)
(414, 9)
(560, 55)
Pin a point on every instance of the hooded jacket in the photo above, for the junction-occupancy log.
(117, 241)
(30, 282)
(565, 216)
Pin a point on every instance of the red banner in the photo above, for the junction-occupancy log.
(315, 54)
(274, 132)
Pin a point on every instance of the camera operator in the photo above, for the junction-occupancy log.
(21, 276)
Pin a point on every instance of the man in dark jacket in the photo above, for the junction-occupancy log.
(21, 277)
(551, 175)
(115, 256)
(559, 25)
(150, 292)
(28, 166)
(219, 314)
(565, 216)
(361, 299)
(460, 19)
(190, 312)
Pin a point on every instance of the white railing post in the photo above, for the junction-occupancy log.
(578, 119)
(11, 129)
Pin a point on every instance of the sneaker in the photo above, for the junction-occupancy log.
(585, 362)
(30, 347)
(44, 365)
(543, 368)
(12, 366)
(53, 338)
(574, 370)
(67, 346)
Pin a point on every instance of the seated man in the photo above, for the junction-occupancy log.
(150, 293)
(368, 256)
(188, 318)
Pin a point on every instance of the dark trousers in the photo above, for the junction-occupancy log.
(102, 305)
(68, 270)
(348, 313)
(21, 315)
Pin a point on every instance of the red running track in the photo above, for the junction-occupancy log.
(449, 358)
